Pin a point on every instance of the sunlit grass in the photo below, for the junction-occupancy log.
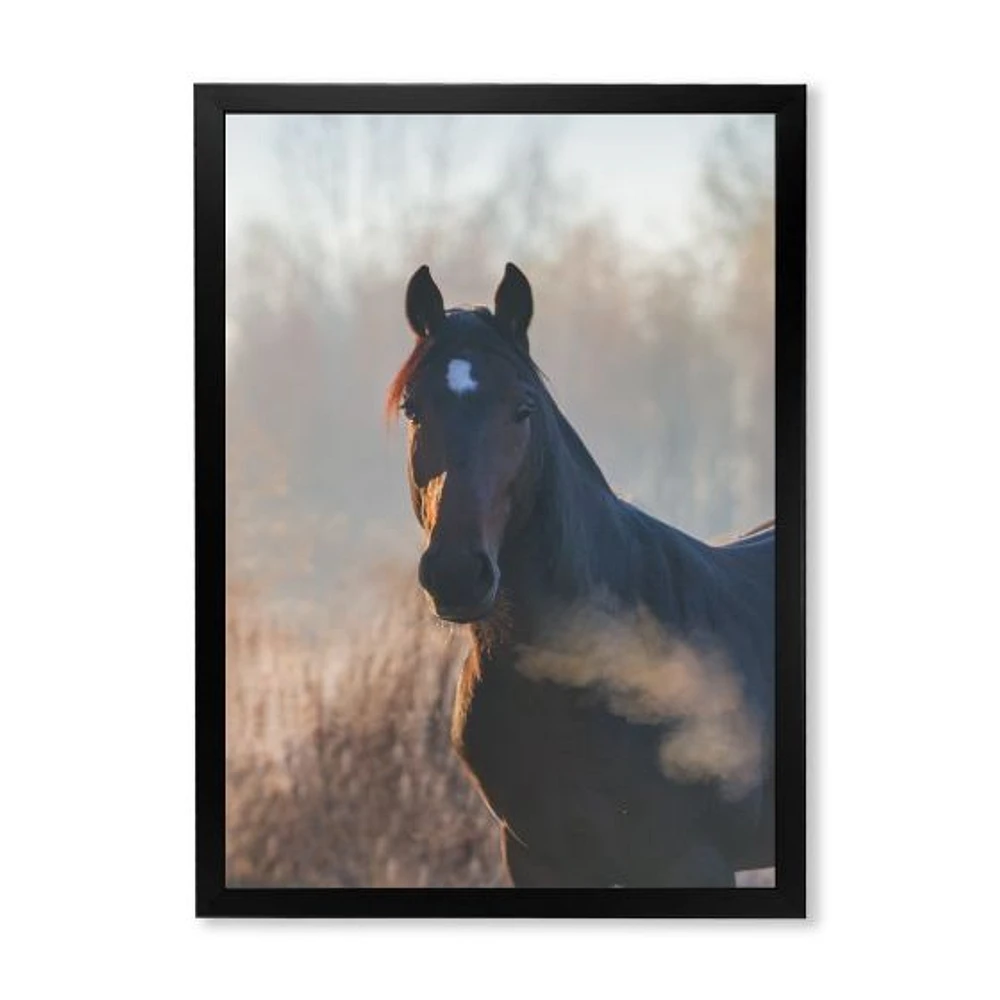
(339, 770)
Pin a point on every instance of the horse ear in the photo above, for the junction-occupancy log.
(424, 304)
(513, 305)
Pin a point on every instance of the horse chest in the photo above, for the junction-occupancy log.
(552, 763)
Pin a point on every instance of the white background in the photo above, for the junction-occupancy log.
(96, 398)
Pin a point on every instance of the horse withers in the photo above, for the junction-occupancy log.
(616, 709)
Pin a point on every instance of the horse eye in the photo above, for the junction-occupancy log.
(409, 410)
(524, 411)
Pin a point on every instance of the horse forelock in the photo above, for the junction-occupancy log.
(464, 328)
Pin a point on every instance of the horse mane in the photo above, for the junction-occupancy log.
(599, 545)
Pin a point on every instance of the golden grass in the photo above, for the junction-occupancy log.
(339, 770)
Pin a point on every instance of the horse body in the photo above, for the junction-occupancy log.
(616, 710)
(578, 787)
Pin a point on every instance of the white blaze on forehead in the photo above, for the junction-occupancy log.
(460, 379)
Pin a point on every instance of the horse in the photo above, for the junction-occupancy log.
(616, 708)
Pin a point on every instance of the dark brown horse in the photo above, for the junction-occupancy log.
(617, 707)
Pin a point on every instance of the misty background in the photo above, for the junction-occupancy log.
(649, 243)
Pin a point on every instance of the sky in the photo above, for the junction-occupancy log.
(642, 170)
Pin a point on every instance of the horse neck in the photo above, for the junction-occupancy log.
(570, 542)
(580, 543)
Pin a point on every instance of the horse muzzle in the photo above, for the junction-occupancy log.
(462, 586)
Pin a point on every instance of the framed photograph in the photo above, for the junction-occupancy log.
(500, 500)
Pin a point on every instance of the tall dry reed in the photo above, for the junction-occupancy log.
(339, 770)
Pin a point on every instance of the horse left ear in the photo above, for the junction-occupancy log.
(424, 304)
(513, 305)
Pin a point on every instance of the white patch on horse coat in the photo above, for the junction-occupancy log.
(460, 379)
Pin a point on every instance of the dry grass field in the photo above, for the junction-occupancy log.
(339, 768)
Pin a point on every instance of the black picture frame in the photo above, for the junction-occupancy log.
(212, 103)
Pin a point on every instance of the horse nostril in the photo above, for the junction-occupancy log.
(425, 571)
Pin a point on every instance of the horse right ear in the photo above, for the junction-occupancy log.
(513, 305)
(424, 304)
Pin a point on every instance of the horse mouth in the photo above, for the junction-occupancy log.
(464, 614)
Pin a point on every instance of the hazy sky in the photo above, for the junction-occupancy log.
(640, 169)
